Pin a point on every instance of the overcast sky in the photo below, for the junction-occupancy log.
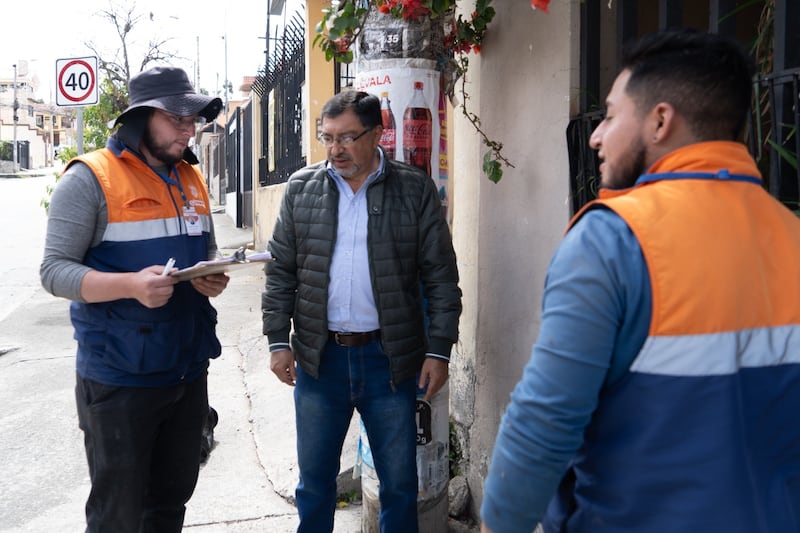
(42, 31)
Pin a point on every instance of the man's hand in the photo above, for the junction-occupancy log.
(152, 289)
(211, 285)
(282, 365)
(434, 375)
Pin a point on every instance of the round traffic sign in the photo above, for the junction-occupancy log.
(77, 81)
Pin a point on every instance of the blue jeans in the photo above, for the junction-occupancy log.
(355, 377)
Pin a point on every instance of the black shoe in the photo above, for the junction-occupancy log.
(207, 440)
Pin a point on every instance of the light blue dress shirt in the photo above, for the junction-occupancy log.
(351, 301)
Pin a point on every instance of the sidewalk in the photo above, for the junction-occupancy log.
(248, 482)
(246, 486)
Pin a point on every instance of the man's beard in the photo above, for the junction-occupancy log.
(160, 152)
(635, 166)
(354, 168)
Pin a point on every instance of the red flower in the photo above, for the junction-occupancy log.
(342, 44)
(540, 4)
(413, 9)
(384, 8)
(476, 48)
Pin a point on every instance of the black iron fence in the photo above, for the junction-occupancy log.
(23, 152)
(773, 134)
(246, 176)
(769, 30)
(279, 87)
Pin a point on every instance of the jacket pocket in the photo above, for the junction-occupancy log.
(142, 347)
(205, 343)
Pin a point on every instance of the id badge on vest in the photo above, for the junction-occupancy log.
(192, 221)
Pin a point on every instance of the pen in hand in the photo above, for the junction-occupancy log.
(168, 266)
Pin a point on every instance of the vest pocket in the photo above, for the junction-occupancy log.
(140, 347)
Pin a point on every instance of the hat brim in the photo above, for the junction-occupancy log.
(183, 105)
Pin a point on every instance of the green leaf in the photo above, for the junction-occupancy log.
(347, 9)
(342, 24)
(438, 7)
(491, 167)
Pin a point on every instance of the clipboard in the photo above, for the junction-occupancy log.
(217, 266)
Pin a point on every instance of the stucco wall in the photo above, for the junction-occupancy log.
(267, 204)
(522, 88)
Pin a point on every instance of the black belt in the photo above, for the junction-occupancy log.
(354, 339)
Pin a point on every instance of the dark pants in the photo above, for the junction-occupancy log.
(143, 450)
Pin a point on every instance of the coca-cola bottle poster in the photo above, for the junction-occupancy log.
(412, 104)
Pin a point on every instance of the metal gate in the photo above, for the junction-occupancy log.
(279, 87)
(246, 176)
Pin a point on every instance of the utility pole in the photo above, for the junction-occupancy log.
(225, 38)
(16, 119)
(197, 66)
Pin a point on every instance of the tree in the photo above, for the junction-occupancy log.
(117, 65)
(113, 99)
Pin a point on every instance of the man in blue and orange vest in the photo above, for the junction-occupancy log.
(663, 390)
(117, 217)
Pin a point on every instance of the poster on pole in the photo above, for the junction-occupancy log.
(76, 81)
(414, 116)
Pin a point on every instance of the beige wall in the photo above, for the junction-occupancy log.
(505, 233)
(266, 200)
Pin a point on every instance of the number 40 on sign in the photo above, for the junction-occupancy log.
(76, 81)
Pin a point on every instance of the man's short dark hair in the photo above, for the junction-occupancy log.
(706, 77)
(366, 106)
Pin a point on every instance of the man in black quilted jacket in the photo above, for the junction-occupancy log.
(359, 243)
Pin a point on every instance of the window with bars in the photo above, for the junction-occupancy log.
(766, 27)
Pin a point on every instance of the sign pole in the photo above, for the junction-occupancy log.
(16, 119)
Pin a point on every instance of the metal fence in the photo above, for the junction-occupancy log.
(279, 87)
(768, 28)
(23, 153)
(773, 134)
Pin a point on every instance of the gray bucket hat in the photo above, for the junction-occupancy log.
(168, 89)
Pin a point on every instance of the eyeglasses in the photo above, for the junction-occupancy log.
(183, 123)
(345, 140)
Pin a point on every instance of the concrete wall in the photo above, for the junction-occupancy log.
(522, 87)
(267, 205)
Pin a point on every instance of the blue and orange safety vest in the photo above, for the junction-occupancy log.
(702, 434)
(122, 342)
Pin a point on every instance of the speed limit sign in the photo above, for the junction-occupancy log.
(76, 81)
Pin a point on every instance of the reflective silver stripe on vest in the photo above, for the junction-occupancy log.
(149, 229)
(719, 354)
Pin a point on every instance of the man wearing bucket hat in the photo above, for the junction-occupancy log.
(144, 340)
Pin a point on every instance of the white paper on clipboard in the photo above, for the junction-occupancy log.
(217, 266)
